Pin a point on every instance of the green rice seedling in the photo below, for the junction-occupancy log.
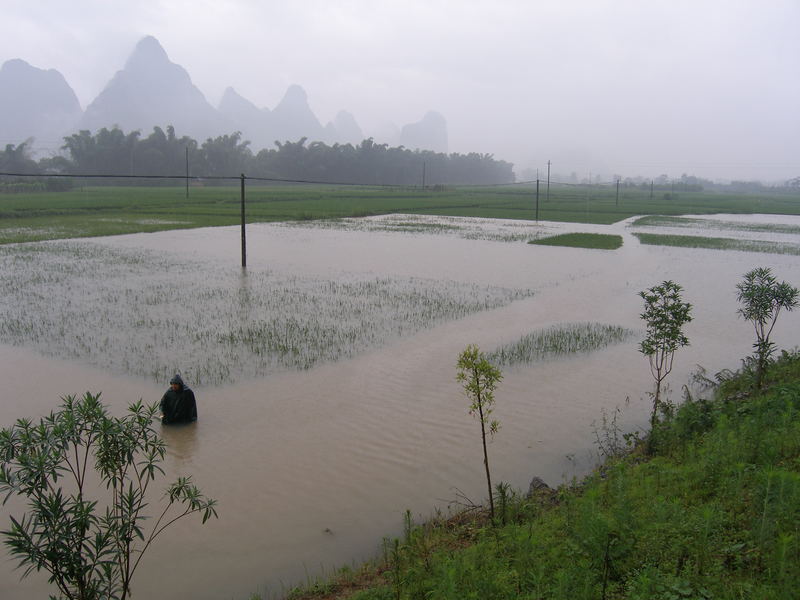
(666, 221)
(597, 241)
(559, 340)
(139, 313)
(689, 222)
(463, 227)
(716, 243)
(112, 210)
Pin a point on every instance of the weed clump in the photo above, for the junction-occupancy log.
(559, 340)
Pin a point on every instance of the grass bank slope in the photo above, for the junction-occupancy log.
(714, 512)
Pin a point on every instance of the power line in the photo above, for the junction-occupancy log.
(232, 178)
(297, 181)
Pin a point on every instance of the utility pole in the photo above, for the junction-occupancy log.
(616, 203)
(537, 200)
(244, 239)
(548, 181)
(651, 189)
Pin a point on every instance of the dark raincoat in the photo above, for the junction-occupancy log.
(178, 406)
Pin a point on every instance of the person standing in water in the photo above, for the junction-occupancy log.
(178, 404)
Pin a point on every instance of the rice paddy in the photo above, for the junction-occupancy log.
(718, 243)
(596, 241)
(559, 340)
(316, 463)
(723, 225)
(497, 230)
(136, 312)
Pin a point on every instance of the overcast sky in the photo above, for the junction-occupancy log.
(630, 87)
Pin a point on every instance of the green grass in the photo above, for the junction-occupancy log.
(96, 210)
(597, 241)
(712, 513)
(717, 243)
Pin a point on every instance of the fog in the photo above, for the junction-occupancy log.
(605, 87)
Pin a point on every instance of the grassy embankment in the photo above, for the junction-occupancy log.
(98, 210)
(714, 512)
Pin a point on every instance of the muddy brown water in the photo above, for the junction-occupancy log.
(312, 469)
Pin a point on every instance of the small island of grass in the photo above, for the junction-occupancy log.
(596, 241)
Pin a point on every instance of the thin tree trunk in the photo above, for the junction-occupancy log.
(486, 463)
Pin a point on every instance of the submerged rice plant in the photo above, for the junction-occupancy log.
(464, 227)
(137, 312)
(559, 340)
(690, 222)
(716, 243)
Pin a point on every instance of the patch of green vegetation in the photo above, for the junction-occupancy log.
(109, 210)
(463, 227)
(712, 513)
(559, 340)
(717, 243)
(596, 241)
(662, 221)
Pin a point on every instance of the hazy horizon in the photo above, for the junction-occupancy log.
(707, 88)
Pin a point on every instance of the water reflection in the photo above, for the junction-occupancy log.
(244, 295)
(181, 440)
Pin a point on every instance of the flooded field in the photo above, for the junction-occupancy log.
(325, 375)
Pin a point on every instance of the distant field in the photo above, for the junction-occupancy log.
(95, 210)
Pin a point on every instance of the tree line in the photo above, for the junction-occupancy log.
(162, 153)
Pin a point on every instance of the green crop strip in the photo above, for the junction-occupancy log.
(596, 241)
(662, 221)
(111, 210)
(715, 243)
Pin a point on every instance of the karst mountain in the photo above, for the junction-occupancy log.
(150, 90)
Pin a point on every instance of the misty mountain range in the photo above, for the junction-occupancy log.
(151, 90)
